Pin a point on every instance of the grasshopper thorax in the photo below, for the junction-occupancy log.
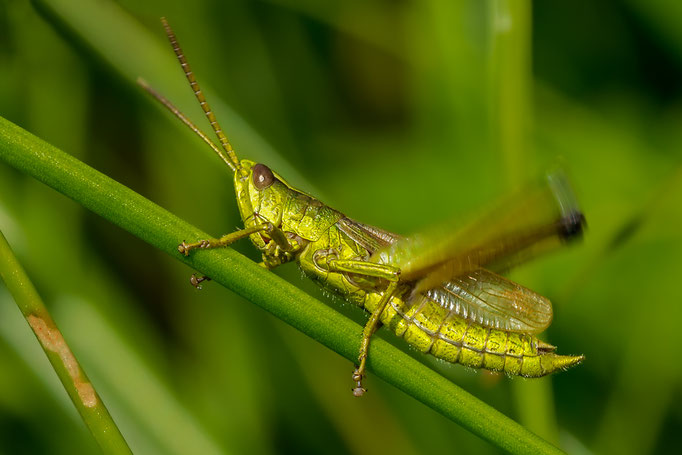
(264, 197)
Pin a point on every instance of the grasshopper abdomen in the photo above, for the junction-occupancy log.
(448, 336)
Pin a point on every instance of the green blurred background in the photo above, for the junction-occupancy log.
(398, 113)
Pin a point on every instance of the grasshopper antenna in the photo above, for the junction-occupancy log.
(227, 147)
(161, 99)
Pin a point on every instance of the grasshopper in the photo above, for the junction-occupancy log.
(441, 291)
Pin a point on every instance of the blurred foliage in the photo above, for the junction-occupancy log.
(390, 110)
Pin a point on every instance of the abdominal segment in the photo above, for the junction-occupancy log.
(442, 333)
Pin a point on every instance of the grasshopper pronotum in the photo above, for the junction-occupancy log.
(440, 291)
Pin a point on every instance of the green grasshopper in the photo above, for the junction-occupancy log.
(440, 291)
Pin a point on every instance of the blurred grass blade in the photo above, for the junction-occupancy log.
(161, 229)
(134, 383)
(81, 391)
(132, 51)
(510, 76)
(510, 23)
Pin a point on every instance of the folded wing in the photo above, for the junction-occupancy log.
(458, 267)
(493, 301)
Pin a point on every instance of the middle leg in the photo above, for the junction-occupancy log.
(371, 327)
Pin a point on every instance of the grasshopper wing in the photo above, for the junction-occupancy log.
(521, 227)
(369, 237)
(493, 301)
(481, 296)
(456, 268)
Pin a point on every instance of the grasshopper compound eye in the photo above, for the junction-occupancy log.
(262, 176)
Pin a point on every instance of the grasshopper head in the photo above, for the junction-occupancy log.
(261, 195)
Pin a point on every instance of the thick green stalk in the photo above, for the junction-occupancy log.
(511, 82)
(165, 231)
(73, 378)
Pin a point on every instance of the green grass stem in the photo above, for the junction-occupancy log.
(510, 25)
(81, 391)
(159, 228)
